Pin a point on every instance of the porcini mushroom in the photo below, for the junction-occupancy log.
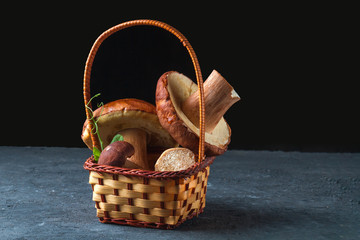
(137, 122)
(177, 106)
(116, 154)
(175, 159)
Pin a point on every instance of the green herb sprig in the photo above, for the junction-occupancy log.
(95, 129)
(117, 137)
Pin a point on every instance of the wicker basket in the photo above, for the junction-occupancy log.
(145, 198)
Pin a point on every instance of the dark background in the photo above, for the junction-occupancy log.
(293, 66)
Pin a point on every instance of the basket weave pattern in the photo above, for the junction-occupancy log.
(147, 201)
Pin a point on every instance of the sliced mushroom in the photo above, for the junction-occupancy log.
(137, 121)
(175, 159)
(172, 93)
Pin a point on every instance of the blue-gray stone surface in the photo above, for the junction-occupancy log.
(44, 194)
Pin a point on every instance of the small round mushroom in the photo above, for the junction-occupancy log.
(137, 122)
(178, 110)
(175, 159)
(116, 154)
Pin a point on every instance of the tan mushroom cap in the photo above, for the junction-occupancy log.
(124, 114)
(172, 90)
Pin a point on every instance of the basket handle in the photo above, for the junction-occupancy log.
(185, 42)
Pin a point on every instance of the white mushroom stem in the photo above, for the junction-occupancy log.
(219, 96)
(137, 138)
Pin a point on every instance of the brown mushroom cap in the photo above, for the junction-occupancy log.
(172, 90)
(128, 113)
(116, 153)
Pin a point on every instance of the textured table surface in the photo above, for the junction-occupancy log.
(44, 194)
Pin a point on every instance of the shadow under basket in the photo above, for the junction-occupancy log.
(148, 198)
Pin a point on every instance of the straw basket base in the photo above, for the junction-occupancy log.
(137, 223)
(148, 198)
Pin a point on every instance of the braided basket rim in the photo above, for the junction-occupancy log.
(91, 165)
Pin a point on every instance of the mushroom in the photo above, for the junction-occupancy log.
(116, 154)
(137, 122)
(175, 159)
(177, 106)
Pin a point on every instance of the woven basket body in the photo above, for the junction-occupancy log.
(148, 198)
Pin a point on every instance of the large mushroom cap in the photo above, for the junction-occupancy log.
(172, 90)
(125, 114)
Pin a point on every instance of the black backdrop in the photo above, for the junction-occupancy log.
(293, 69)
